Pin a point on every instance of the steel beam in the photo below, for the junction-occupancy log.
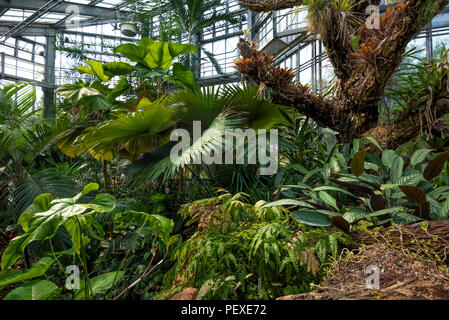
(2, 71)
(3, 11)
(95, 20)
(84, 9)
(34, 31)
(49, 78)
(220, 79)
(95, 2)
(105, 36)
(28, 21)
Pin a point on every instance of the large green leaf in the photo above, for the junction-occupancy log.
(87, 189)
(131, 51)
(131, 134)
(99, 284)
(387, 157)
(161, 225)
(155, 55)
(390, 211)
(419, 156)
(258, 113)
(145, 72)
(94, 103)
(40, 204)
(94, 68)
(176, 49)
(37, 270)
(44, 225)
(355, 214)
(405, 218)
(411, 179)
(288, 202)
(445, 209)
(117, 68)
(332, 188)
(182, 75)
(328, 199)
(77, 91)
(35, 290)
(120, 89)
(102, 203)
(396, 169)
(373, 142)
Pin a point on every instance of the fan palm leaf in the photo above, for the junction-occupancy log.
(24, 136)
(216, 111)
(258, 113)
(130, 134)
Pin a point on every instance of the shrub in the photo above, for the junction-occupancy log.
(243, 251)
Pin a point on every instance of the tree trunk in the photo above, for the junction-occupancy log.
(105, 176)
(362, 73)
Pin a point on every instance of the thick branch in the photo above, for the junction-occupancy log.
(287, 94)
(362, 74)
(268, 5)
(314, 106)
(392, 136)
(335, 38)
(368, 80)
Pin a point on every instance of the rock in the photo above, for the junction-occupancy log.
(186, 294)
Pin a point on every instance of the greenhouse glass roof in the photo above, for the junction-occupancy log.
(29, 28)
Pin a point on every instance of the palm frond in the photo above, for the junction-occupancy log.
(58, 182)
(209, 20)
(258, 113)
(130, 134)
(212, 60)
(16, 102)
(138, 171)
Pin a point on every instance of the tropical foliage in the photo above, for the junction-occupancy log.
(133, 189)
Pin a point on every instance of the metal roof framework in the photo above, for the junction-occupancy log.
(22, 19)
(39, 13)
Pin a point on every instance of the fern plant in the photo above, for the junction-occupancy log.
(246, 251)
